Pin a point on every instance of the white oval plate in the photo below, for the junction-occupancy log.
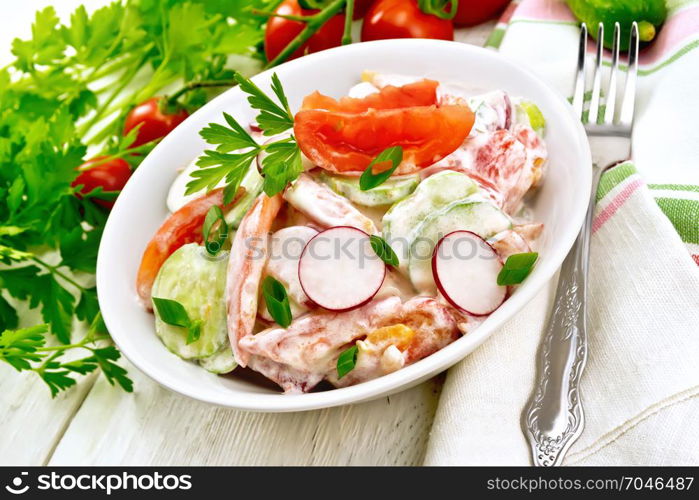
(560, 203)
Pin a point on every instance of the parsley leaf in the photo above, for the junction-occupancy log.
(281, 165)
(26, 350)
(217, 166)
(228, 138)
(281, 159)
(272, 118)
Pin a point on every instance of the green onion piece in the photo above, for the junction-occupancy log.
(194, 331)
(220, 231)
(383, 250)
(369, 179)
(347, 361)
(277, 301)
(536, 117)
(517, 267)
(171, 312)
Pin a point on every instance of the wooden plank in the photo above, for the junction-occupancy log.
(154, 426)
(32, 422)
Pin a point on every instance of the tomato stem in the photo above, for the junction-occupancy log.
(290, 17)
(438, 8)
(349, 14)
(171, 100)
(313, 24)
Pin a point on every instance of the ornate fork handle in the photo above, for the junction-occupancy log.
(554, 416)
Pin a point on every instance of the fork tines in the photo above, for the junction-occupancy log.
(626, 115)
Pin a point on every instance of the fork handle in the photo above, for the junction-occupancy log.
(554, 417)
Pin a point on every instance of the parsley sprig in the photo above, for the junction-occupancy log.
(236, 149)
(26, 350)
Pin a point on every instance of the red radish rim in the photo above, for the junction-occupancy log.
(441, 289)
(303, 252)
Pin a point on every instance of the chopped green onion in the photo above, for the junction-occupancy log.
(194, 331)
(517, 267)
(220, 233)
(173, 313)
(369, 179)
(383, 250)
(347, 361)
(277, 301)
(536, 117)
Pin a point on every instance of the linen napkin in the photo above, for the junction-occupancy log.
(640, 388)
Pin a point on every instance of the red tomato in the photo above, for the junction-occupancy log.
(280, 32)
(182, 227)
(346, 136)
(403, 19)
(421, 93)
(110, 176)
(156, 124)
(361, 7)
(472, 12)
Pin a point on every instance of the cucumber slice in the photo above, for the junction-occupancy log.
(436, 191)
(388, 193)
(220, 362)
(196, 281)
(477, 216)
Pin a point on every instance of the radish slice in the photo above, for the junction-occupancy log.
(465, 268)
(339, 270)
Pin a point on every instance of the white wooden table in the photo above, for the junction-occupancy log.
(97, 424)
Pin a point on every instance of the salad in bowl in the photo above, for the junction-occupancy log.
(349, 238)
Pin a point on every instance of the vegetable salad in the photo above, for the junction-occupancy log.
(351, 238)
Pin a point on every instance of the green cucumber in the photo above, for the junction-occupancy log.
(649, 14)
(197, 281)
(220, 362)
(436, 191)
(388, 193)
(475, 215)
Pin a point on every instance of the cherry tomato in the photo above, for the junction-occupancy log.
(403, 19)
(110, 176)
(347, 135)
(420, 93)
(280, 32)
(156, 123)
(361, 7)
(472, 12)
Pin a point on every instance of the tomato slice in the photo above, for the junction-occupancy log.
(348, 142)
(420, 93)
(182, 227)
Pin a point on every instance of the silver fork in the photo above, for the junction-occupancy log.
(553, 418)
